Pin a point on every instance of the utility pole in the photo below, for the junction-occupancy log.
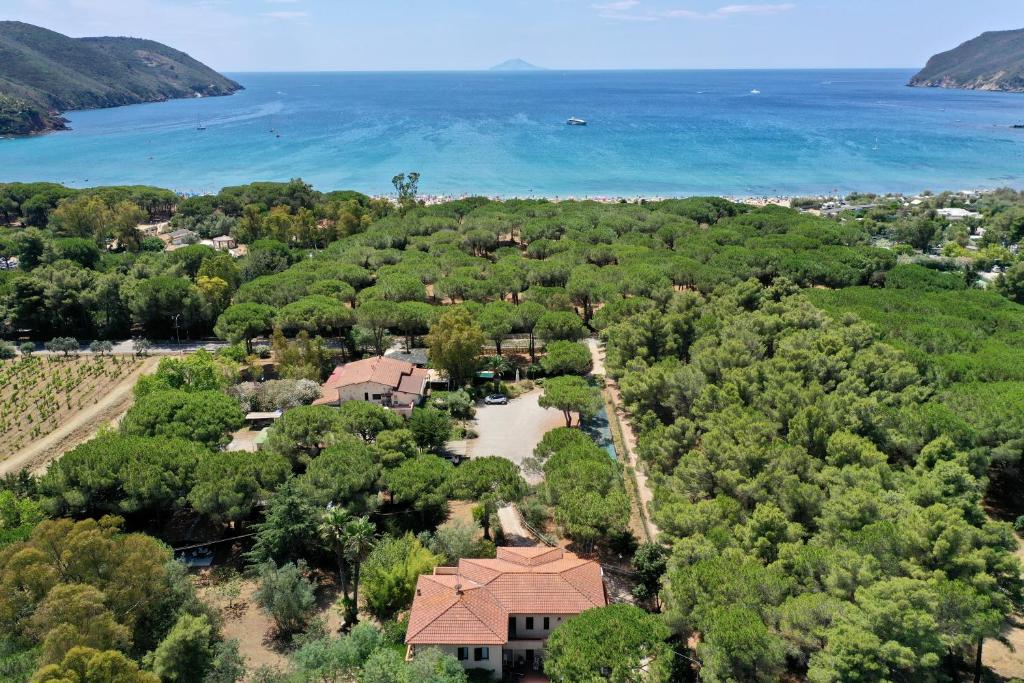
(177, 334)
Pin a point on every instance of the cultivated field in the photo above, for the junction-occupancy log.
(40, 394)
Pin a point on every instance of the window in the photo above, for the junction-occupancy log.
(529, 623)
(463, 654)
(547, 623)
(376, 397)
(481, 654)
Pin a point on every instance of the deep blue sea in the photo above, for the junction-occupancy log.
(650, 133)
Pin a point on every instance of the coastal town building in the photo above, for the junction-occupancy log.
(496, 614)
(179, 238)
(224, 243)
(957, 214)
(392, 383)
(152, 229)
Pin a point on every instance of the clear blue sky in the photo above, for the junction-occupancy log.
(282, 35)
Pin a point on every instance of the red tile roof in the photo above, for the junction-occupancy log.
(413, 382)
(397, 374)
(470, 604)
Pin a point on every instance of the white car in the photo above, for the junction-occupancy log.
(496, 400)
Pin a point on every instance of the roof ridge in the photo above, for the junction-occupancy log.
(438, 616)
(575, 587)
(457, 601)
(483, 621)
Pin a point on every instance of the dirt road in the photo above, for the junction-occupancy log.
(512, 525)
(646, 495)
(80, 427)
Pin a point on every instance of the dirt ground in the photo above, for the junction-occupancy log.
(460, 511)
(78, 427)
(1007, 662)
(247, 623)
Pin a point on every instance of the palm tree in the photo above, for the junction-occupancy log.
(332, 530)
(499, 365)
(360, 537)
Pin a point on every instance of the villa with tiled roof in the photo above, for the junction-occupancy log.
(496, 614)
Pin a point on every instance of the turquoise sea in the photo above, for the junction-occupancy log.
(650, 133)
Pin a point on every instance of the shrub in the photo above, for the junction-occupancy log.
(275, 394)
(101, 347)
(567, 358)
(459, 404)
(27, 349)
(390, 573)
(431, 427)
(142, 347)
(65, 345)
(6, 351)
(535, 513)
(286, 596)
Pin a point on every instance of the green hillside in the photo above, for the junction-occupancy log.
(992, 61)
(43, 72)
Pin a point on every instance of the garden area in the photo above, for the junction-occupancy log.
(39, 393)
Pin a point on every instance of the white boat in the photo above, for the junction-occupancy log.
(199, 124)
(755, 91)
(574, 121)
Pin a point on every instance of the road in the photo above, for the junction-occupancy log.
(640, 476)
(127, 348)
(79, 427)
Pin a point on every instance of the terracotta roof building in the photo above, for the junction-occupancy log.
(496, 614)
(386, 381)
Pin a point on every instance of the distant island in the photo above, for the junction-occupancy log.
(43, 73)
(992, 61)
(516, 65)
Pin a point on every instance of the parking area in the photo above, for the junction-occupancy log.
(511, 431)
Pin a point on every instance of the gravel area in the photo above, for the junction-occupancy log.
(511, 431)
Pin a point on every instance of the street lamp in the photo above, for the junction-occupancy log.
(177, 335)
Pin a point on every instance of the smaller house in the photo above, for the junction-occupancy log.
(224, 243)
(181, 237)
(418, 357)
(392, 383)
(151, 229)
(259, 420)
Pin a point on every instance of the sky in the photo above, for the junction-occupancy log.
(369, 35)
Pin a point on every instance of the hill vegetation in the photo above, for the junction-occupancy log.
(43, 72)
(992, 61)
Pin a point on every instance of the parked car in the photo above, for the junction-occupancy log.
(496, 400)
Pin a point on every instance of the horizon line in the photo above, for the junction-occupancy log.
(540, 70)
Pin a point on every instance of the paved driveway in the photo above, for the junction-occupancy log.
(511, 431)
